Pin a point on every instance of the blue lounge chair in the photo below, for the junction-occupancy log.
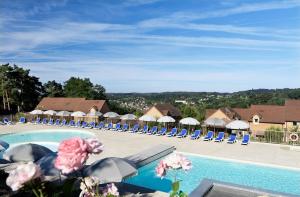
(183, 133)
(173, 132)
(38, 121)
(101, 125)
(144, 130)
(135, 128)
(72, 123)
(92, 125)
(84, 124)
(44, 121)
(57, 122)
(110, 126)
(196, 135)
(152, 131)
(231, 139)
(162, 131)
(51, 122)
(63, 122)
(220, 137)
(78, 123)
(124, 128)
(6, 121)
(22, 120)
(246, 139)
(209, 136)
(117, 127)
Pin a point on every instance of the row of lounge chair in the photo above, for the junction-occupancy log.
(136, 129)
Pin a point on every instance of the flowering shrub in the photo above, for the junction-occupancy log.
(173, 162)
(72, 155)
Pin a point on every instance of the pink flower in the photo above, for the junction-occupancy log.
(94, 146)
(72, 154)
(161, 169)
(22, 174)
(110, 189)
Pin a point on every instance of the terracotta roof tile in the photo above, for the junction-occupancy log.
(168, 110)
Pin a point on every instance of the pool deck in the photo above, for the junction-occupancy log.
(122, 144)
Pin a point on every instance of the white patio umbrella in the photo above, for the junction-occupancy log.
(63, 113)
(215, 122)
(189, 121)
(36, 112)
(147, 118)
(128, 117)
(96, 113)
(50, 112)
(238, 125)
(166, 119)
(78, 114)
(111, 115)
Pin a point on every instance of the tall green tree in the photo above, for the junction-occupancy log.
(77, 87)
(53, 89)
(19, 90)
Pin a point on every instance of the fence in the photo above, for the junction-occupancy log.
(279, 137)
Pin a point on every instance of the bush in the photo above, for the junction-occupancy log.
(274, 136)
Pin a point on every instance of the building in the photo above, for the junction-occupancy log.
(72, 104)
(166, 109)
(262, 117)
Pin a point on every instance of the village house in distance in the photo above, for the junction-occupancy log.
(262, 117)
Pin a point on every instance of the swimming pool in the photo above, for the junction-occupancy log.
(49, 138)
(263, 177)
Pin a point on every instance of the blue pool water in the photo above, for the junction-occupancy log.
(275, 179)
(48, 138)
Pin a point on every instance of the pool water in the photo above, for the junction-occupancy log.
(262, 177)
(48, 138)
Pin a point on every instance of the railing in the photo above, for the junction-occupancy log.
(279, 137)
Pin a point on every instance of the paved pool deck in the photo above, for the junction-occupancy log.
(122, 144)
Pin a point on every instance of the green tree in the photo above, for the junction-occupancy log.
(53, 89)
(77, 87)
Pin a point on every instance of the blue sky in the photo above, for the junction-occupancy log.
(156, 45)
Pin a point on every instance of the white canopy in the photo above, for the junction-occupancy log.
(96, 113)
(128, 117)
(238, 125)
(36, 112)
(111, 115)
(147, 118)
(165, 119)
(63, 113)
(215, 122)
(78, 114)
(189, 121)
(50, 112)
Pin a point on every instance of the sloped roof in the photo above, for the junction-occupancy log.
(292, 110)
(268, 113)
(72, 104)
(168, 110)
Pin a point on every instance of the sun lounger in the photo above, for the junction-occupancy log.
(92, 125)
(22, 120)
(72, 123)
(246, 139)
(162, 131)
(44, 121)
(100, 125)
(135, 128)
(209, 136)
(124, 128)
(173, 132)
(117, 127)
(231, 139)
(220, 137)
(37, 121)
(152, 131)
(183, 133)
(6, 121)
(78, 123)
(110, 126)
(84, 124)
(196, 135)
(57, 122)
(63, 122)
(144, 130)
(51, 122)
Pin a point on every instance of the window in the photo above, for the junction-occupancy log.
(256, 119)
(295, 123)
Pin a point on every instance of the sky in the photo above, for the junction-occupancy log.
(156, 45)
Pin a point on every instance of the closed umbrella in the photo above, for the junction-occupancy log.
(78, 114)
(238, 125)
(3, 145)
(50, 112)
(63, 113)
(111, 169)
(36, 112)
